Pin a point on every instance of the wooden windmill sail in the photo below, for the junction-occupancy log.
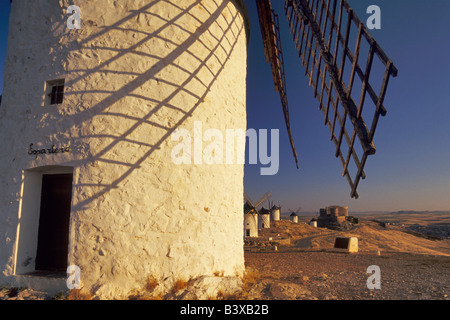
(274, 55)
(294, 215)
(297, 211)
(256, 205)
(321, 32)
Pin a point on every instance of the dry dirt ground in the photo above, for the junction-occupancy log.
(288, 274)
(412, 265)
(305, 266)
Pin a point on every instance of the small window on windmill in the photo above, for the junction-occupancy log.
(54, 92)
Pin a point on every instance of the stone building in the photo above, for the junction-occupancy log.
(89, 177)
(332, 215)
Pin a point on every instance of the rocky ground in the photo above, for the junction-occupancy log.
(297, 261)
(22, 294)
(292, 274)
(323, 275)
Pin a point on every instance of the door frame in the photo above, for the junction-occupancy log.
(29, 214)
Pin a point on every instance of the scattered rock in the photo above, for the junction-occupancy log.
(21, 294)
(288, 291)
(206, 287)
(259, 290)
(13, 292)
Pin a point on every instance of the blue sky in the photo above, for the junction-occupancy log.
(411, 169)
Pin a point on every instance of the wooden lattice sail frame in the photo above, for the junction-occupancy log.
(322, 37)
(270, 30)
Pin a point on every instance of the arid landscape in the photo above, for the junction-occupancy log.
(296, 261)
(411, 249)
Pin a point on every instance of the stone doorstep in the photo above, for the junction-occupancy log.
(50, 285)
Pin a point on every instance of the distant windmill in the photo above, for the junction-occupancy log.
(275, 211)
(321, 32)
(251, 214)
(294, 215)
(265, 216)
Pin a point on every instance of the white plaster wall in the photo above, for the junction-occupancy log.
(136, 71)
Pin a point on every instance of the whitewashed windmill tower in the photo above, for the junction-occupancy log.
(88, 114)
(264, 217)
(294, 215)
(275, 213)
(87, 118)
(250, 220)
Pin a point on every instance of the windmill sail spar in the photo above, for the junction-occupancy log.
(317, 26)
(321, 32)
(254, 205)
(274, 55)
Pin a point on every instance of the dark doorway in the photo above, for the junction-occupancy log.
(342, 243)
(53, 234)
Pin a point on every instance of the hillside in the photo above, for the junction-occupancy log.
(305, 266)
(371, 237)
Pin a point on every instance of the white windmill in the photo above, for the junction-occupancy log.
(294, 215)
(251, 214)
(275, 212)
(264, 217)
